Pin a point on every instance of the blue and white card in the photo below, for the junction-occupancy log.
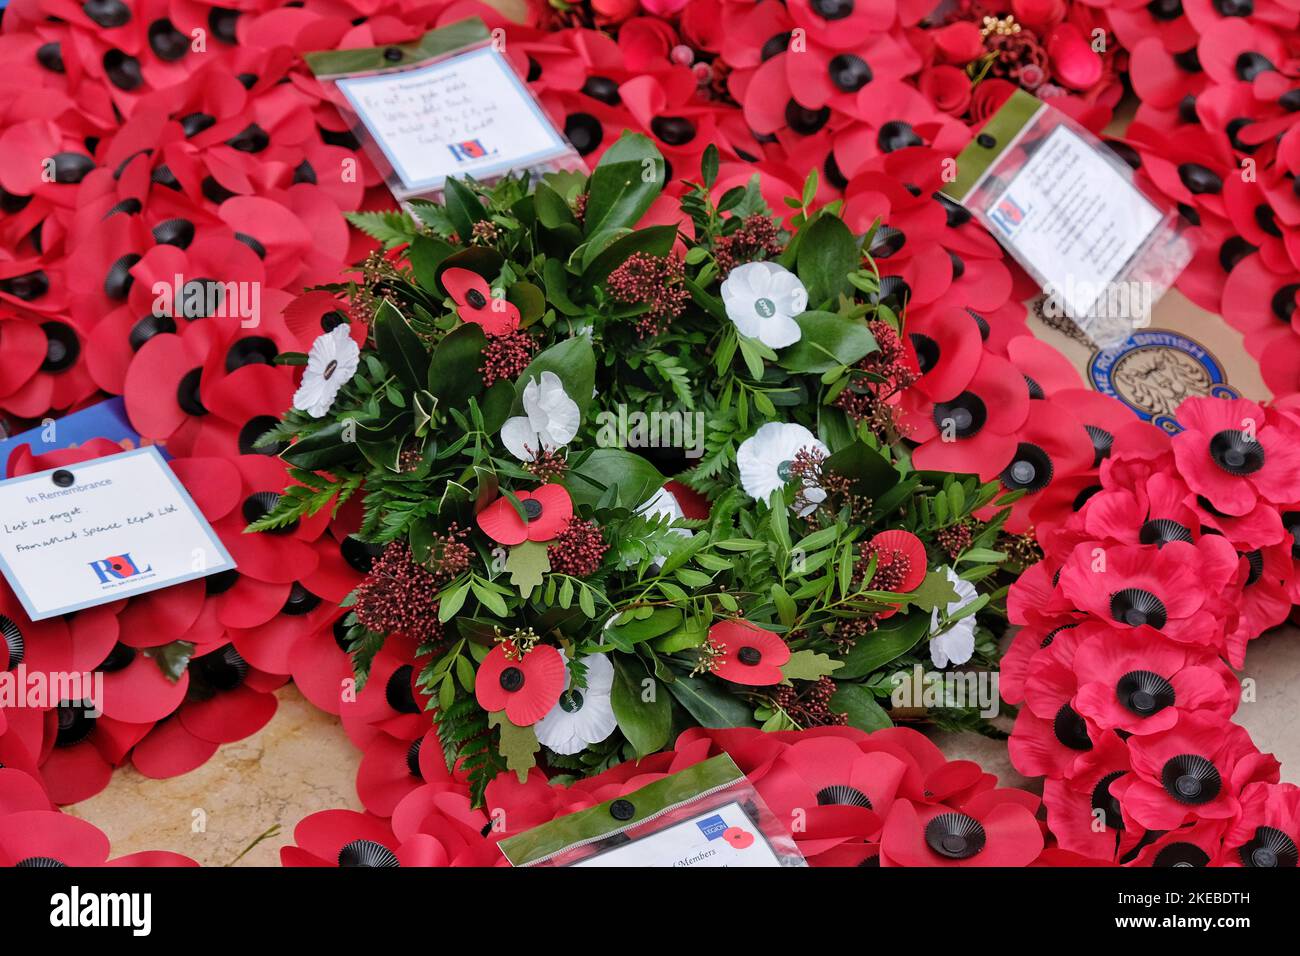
(106, 419)
(102, 530)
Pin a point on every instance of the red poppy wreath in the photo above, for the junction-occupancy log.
(506, 558)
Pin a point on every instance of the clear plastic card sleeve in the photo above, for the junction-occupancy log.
(708, 815)
(448, 105)
(1074, 215)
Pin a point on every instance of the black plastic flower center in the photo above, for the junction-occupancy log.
(749, 656)
(1144, 692)
(775, 45)
(1255, 562)
(194, 123)
(118, 281)
(300, 601)
(62, 347)
(39, 863)
(886, 242)
(330, 369)
(50, 56)
(1108, 803)
(118, 659)
(174, 232)
(803, 120)
(1199, 179)
(849, 72)
(1071, 729)
(1051, 635)
(1036, 392)
(399, 693)
(221, 670)
(963, 416)
(123, 71)
(1136, 607)
(221, 582)
(602, 88)
(512, 679)
(1102, 442)
(332, 320)
(360, 555)
(187, 393)
(927, 351)
(107, 13)
(532, 508)
(258, 249)
(673, 130)
(476, 299)
(1191, 779)
(955, 835)
(413, 757)
(1267, 220)
(1160, 531)
(200, 299)
(367, 853)
(260, 504)
(251, 139)
(254, 429)
(14, 643)
(222, 20)
(896, 135)
(166, 41)
(583, 131)
(1251, 64)
(71, 167)
(832, 9)
(1233, 251)
(842, 795)
(74, 721)
(1030, 470)
(1165, 10)
(251, 350)
(571, 701)
(1235, 8)
(1284, 302)
(1236, 453)
(147, 328)
(1269, 847)
(1181, 856)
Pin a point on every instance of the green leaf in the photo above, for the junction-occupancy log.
(634, 478)
(888, 642)
(709, 165)
(870, 473)
(573, 361)
(321, 449)
(425, 255)
(399, 346)
(453, 374)
(463, 208)
(827, 254)
(518, 744)
(623, 185)
(172, 659)
(827, 340)
(809, 665)
(634, 630)
(527, 565)
(859, 704)
(646, 723)
(711, 705)
(936, 591)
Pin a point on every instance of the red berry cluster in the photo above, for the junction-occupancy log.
(755, 239)
(578, 549)
(656, 281)
(399, 596)
(808, 703)
(505, 357)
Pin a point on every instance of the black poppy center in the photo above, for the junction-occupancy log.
(532, 508)
(251, 350)
(849, 72)
(1144, 692)
(147, 328)
(749, 656)
(602, 88)
(399, 693)
(832, 9)
(571, 701)
(260, 504)
(253, 430)
(955, 835)
(1070, 729)
(1236, 453)
(1191, 779)
(842, 795)
(1102, 442)
(927, 351)
(1251, 64)
(512, 679)
(118, 659)
(673, 130)
(61, 347)
(75, 720)
(1107, 802)
(1284, 302)
(413, 757)
(1165, 10)
(583, 131)
(107, 13)
(476, 299)
(1199, 179)
(13, 638)
(964, 415)
(300, 601)
(1030, 470)
(896, 135)
(187, 393)
(1269, 847)
(1136, 607)
(221, 670)
(1160, 531)
(1291, 521)
(367, 853)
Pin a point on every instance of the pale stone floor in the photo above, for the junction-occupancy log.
(301, 762)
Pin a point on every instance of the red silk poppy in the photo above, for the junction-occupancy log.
(476, 303)
(526, 687)
(748, 654)
(547, 509)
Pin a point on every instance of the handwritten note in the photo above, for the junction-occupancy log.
(467, 115)
(102, 530)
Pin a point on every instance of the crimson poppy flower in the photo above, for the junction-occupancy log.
(546, 510)
(342, 838)
(1265, 599)
(1139, 686)
(476, 303)
(1085, 811)
(389, 703)
(1196, 770)
(43, 364)
(947, 345)
(524, 684)
(747, 654)
(1266, 833)
(391, 768)
(85, 750)
(1023, 654)
(1232, 455)
(45, 838)
(1051, 747)
(987, 831)
(974, 430)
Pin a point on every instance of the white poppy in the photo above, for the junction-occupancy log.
(956, 644)
(763, 298)
(583, 715)
(332, 360)
(764, 460)
(550, 419)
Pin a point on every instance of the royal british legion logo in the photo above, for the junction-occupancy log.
(1008, 215)
(468, 150)
(117, 567)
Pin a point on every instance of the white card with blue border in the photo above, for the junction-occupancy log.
(102, 530)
